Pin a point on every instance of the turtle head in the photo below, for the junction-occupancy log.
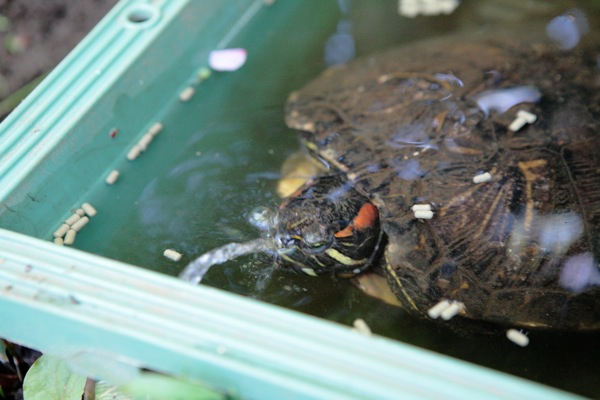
(325, 227)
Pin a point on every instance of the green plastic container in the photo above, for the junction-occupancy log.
(101, 304)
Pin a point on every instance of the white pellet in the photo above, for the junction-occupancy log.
(61, 231)
(172, 255)
(452, 310)
(72, 219)
(423, 214)
(112, 177)
(517, 124)
(309, 271)
(227, 59)
(485, 177)
(59, 241)
(80, 212)
(80, 224)
(155, 129)
(530, 118)
(145, 141)
(517, 337)
(187, 93)
(134, 152)
(89, 209)
(421, 207)
(435, 311)
(361, 327)
(70, 237)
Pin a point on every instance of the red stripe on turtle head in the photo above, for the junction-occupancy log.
(366, 217)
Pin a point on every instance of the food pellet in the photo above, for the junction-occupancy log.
(485, 177)
(227, 59)
(423, 214)
(172, 255)
(59, 241)
(112, 177)
(89, 209)
(70, 237)
(80, 224)
(421, 207)
(530, 118)
(452, 310)
(80, 212)
(435, 311)
(187, 93)
(155, 129)
(361, 327)
(517, 337)
(72, 219)
(145, 141)
(61, 231)
(517, 124)
(134, 152)
(203, 74)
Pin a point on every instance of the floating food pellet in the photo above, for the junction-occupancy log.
(435, 311)
(187, 93)
(61, 231)
(155, 129)
(112, 177)
(172, 255)
(227, 59)
(70, 237)
(145, 141)
(527, 116)
(423, 214)
(450, 312)
(89, 209)
(134, 152)
(517, 337)
(517, 124)
(523, 117)
(203, 74)
(485, 177)
(80, 224)
(421, 207)
(72, 219)
(309, 271)
(361, 327)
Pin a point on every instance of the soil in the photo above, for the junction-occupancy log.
(35, 35)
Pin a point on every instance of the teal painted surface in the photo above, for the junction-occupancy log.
(80, 306)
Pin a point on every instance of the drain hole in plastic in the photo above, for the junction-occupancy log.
(141, 15)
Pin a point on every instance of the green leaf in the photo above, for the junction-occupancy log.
(153, 386)
(50, 378)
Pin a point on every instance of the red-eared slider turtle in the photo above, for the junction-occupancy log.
(465, 172)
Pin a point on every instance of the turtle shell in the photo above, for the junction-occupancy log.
(517, 246)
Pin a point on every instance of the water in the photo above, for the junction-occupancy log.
(220, 154)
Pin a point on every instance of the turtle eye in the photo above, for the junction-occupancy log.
(316, 243)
